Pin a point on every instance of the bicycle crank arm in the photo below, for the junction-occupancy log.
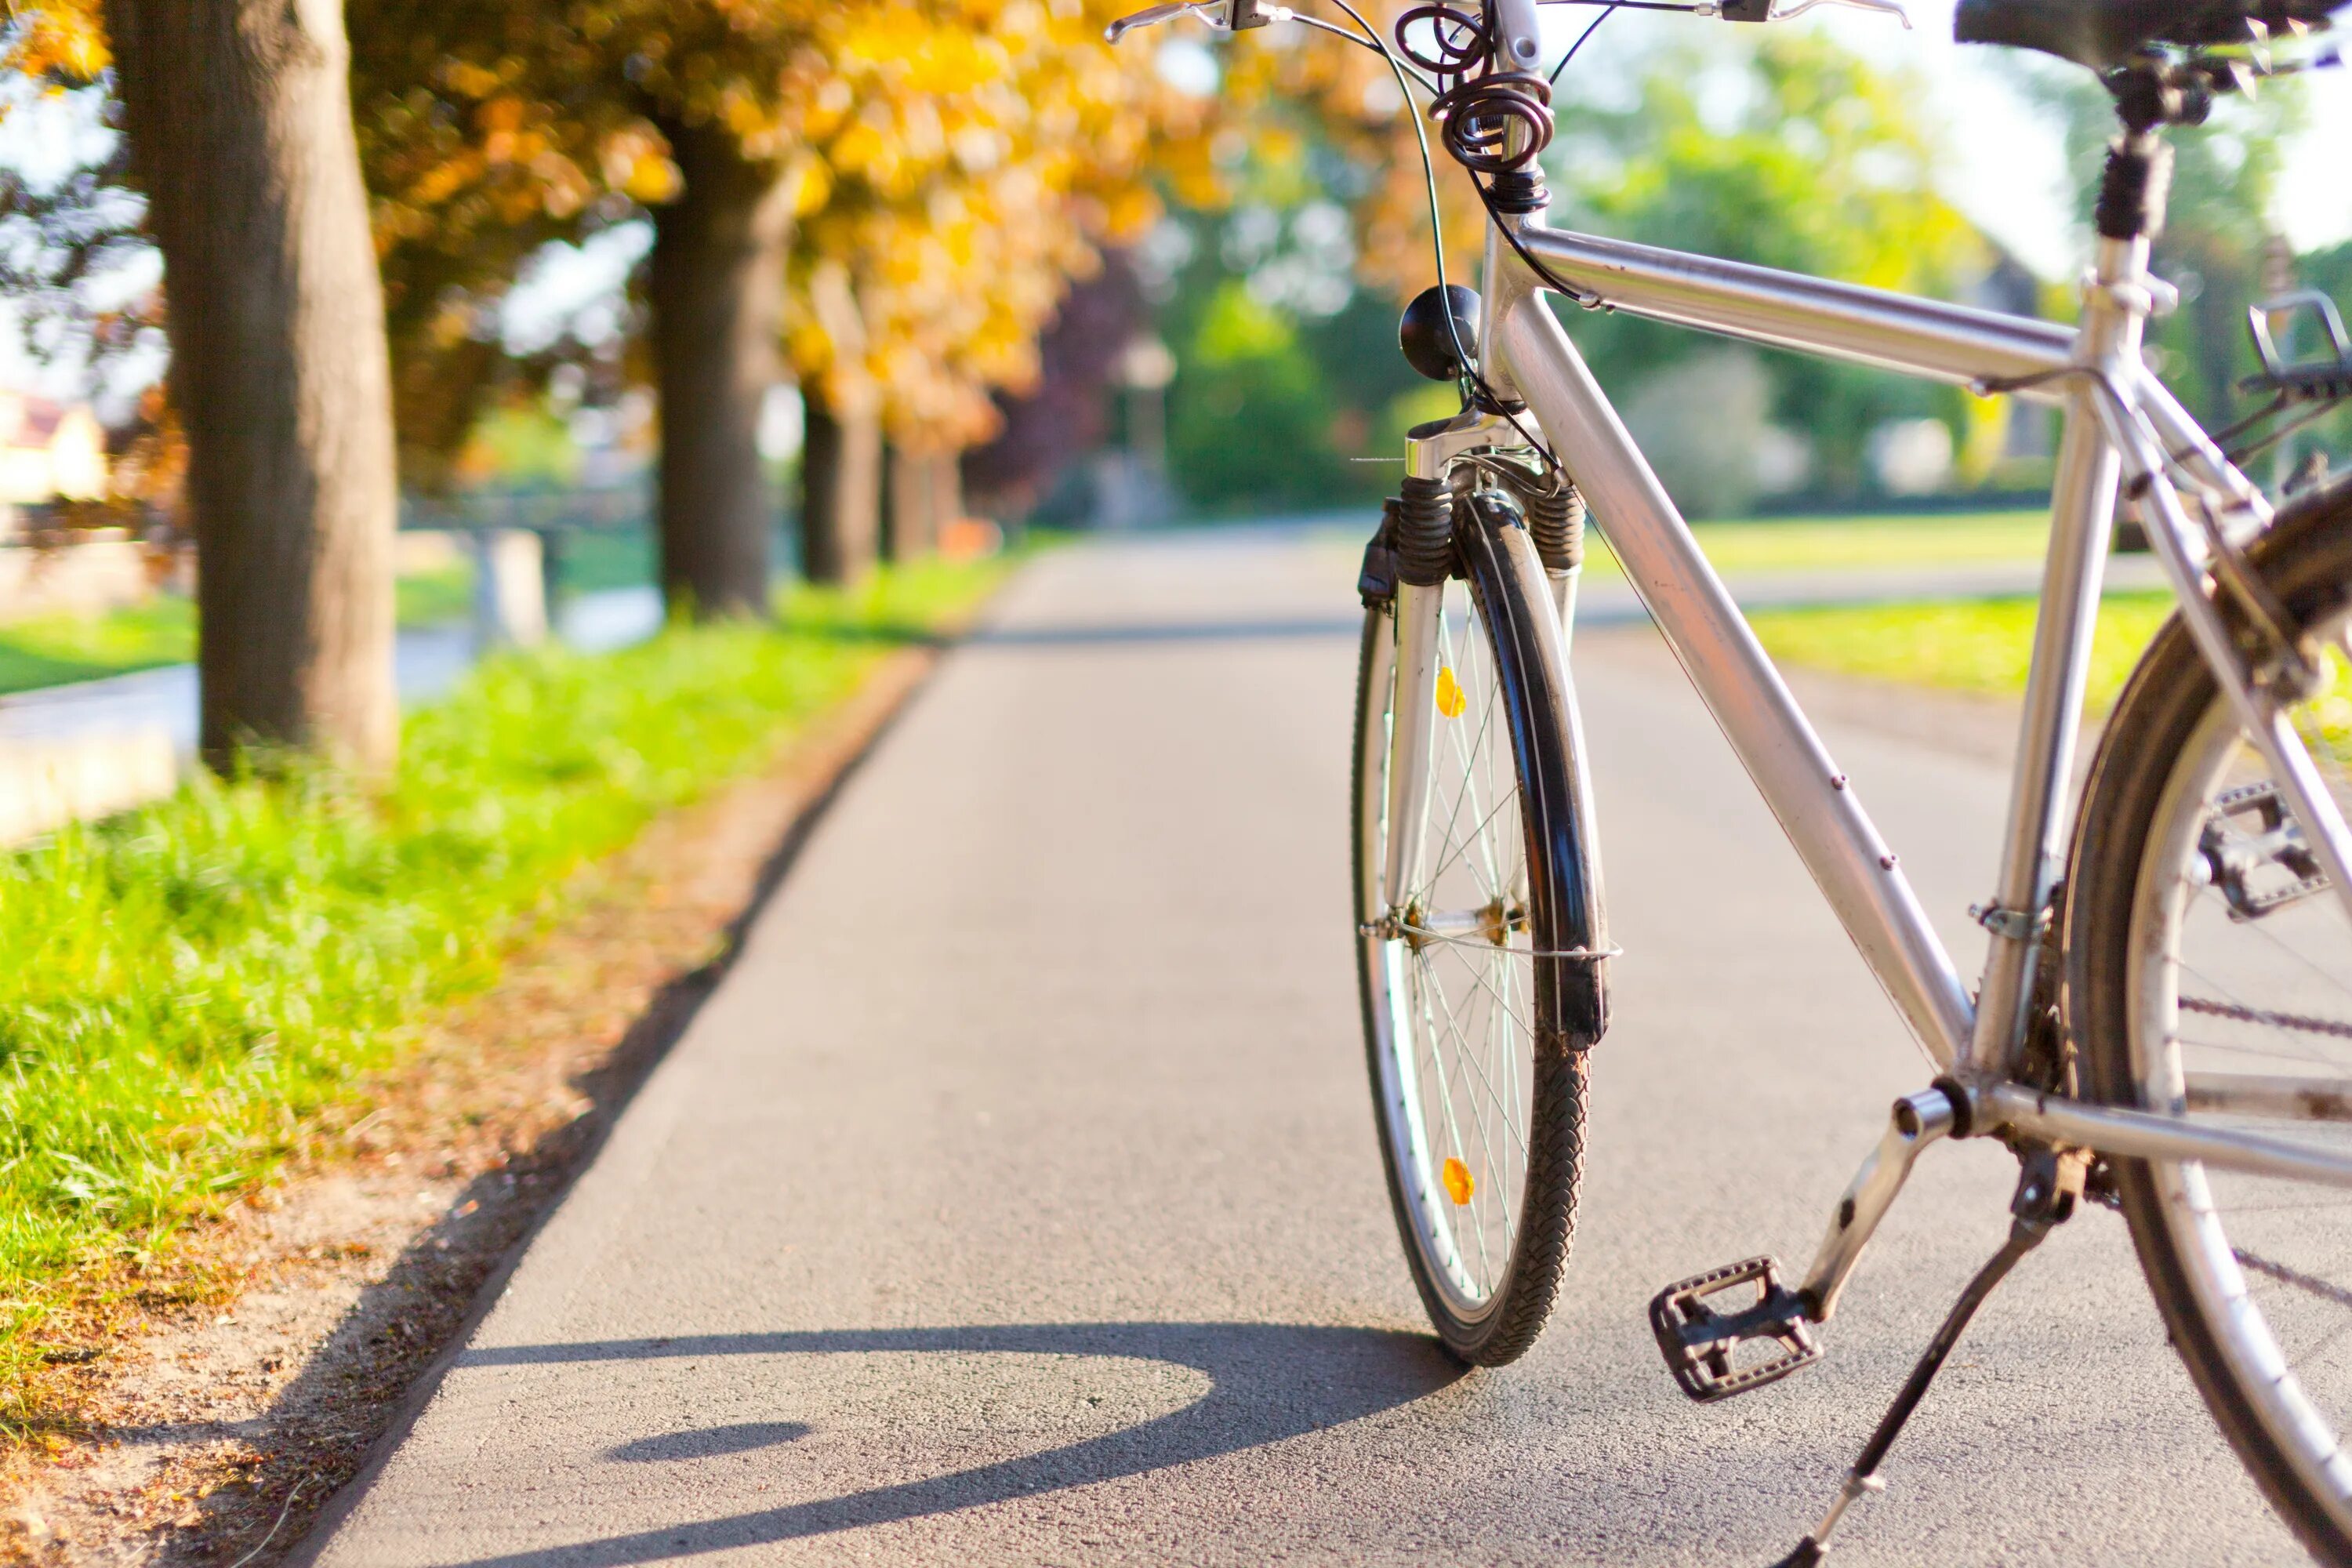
(1717, 1342)
(1916, 1121)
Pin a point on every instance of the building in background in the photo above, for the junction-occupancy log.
(48, 452)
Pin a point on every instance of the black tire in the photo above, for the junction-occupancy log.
(2306, 558)
(1506, 583)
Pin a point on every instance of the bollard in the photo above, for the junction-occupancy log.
(510, 589)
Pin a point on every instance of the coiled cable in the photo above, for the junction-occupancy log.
(1478, 114)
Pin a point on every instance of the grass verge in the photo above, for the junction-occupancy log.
(51, 650)
(202, 990)
(1965, 645)
(1849, 543)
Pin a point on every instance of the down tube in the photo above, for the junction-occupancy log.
(1816, 806)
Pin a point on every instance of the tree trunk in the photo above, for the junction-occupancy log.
(908, 516)
(841, 493)
(947, 492)
(716, 289)
(239, 122)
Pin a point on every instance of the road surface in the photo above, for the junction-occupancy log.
(1015, 1198)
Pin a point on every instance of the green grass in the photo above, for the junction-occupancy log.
(434, 598)
(1805, 543)
(51, 650)
(1970, 644)
(603, 558)
(1967, 645)
(194, 989)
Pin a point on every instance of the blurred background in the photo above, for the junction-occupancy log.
(1026, 281)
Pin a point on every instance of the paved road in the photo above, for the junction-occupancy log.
(1016, 1199)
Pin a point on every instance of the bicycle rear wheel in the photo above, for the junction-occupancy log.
(2209, 977)
(1478, 1094)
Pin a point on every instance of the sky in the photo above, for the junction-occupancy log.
(2006, 165)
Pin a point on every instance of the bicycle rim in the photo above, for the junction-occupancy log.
(2232, 967)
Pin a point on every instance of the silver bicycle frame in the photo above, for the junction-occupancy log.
(2119, 421)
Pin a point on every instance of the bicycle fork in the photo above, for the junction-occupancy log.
(1417, 609)
(1422, 557)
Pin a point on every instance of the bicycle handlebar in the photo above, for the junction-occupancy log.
(1518, 41)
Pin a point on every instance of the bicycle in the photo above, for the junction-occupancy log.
(2163, 1026)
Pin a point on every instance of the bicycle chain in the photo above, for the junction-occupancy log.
(2332, 1027)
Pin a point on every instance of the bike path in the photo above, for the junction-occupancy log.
(1016, 1199)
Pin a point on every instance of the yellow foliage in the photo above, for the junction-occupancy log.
(957, 160)
(60, 41)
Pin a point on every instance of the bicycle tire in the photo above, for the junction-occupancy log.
(2167, 717)
(1506, 583)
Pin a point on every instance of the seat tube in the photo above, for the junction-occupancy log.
(2082, 511)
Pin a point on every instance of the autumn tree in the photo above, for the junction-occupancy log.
(492, 129)
(935, 173)
(897, 191)
(976, 159)
(239, 129)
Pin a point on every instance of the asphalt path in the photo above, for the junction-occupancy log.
(1015, 1198)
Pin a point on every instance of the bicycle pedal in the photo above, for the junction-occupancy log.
(1701, 1340)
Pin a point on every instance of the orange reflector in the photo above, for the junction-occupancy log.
(1458, 1183)
(1450, 699)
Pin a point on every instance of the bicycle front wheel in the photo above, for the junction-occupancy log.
(2209, 977)
(1478, 1094)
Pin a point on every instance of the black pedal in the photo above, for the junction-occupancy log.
(1700, 1337)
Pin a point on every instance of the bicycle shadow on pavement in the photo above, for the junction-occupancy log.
(1268, 1381)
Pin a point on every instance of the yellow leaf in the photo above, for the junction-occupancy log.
(1459, 1184)
(1451, 699)
(652, 180)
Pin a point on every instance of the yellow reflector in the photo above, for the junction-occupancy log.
(1458, 1184)
(1450, 699)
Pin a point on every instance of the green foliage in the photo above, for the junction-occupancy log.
(523, 444)
(1286, 370)
(1979, 646)
(1247, 420)
(1813, 544)
(1825, 165)
(194, 987)
(1816, 162)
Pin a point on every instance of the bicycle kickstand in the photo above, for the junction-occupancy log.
(2041, 1202)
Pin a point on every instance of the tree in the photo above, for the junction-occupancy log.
(240, 128)
(955, 160)
(1823, 167)
(1061, 415)
(974, 163)
(493, 129)
(716, 289)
